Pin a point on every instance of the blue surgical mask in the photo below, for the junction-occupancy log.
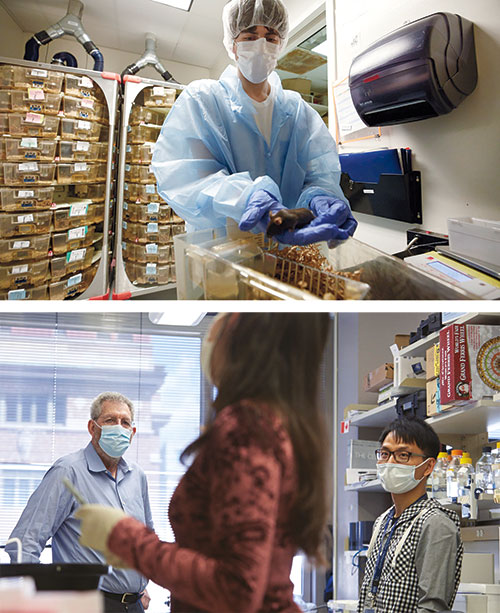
(115, 440)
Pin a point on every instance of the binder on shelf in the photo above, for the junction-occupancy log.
(377, 183)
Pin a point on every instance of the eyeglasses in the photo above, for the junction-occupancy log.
(402, 457)
(111, 421)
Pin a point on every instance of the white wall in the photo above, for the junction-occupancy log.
(13, 39)
(458, 154)
(376, 334)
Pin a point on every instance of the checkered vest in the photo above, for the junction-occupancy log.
(398, 587)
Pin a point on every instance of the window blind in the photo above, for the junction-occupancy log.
(51, 367)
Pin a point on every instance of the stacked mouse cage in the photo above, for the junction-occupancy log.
(145, 224)
(56, 172)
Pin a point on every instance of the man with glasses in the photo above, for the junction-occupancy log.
(415, 554)
(101, 475)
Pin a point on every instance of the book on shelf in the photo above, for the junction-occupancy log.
(385, 393)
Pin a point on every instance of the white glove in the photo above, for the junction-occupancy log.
(97, 524)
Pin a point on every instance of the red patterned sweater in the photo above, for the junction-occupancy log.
(229, 514)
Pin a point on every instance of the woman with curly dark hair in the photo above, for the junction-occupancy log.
(255, 493)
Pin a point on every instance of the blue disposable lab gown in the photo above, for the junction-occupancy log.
(210, 156)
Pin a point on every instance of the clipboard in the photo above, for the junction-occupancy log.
(348, 125)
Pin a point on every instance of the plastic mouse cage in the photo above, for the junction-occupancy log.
(226, 264)
(244, 266)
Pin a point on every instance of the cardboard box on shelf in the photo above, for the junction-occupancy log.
(402, 340)
(358, 407)
(432, 397)
(374, 380)
(469, 362)
(303, 86)
(432, 362)
(473, 443)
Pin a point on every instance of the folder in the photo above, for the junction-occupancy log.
(376, 183)
(367, 166)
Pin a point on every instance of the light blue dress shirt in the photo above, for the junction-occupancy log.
(50, 509)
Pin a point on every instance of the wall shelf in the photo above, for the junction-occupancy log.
(472, 419)
(486, 413)
(378, 417)
(418, 348)
(370, 486)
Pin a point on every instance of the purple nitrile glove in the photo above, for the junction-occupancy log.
(333, 222)
(256, 213)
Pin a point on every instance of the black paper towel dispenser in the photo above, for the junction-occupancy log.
(421, 70)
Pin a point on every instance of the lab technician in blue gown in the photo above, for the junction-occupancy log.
(242, 147)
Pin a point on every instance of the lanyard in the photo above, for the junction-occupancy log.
(382, 555)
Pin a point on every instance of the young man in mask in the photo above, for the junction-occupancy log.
(415, 554)
(101, 474)
(243, 148)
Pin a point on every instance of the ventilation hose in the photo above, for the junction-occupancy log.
(131, 69)
(92, 50)
(68, 59)
(33, 45)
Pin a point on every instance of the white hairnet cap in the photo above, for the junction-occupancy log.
(239, 15)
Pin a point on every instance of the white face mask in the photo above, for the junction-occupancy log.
(398, 478)
(207, 347)
(257, 59)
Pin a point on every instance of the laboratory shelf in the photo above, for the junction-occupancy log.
(418, 348)
(470, 508)
(473, 418)
(485, 501)
(370, 486)
(403, 390)
(378, 417)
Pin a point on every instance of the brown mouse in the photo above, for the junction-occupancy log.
(288, 219)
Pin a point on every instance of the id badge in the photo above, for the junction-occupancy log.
(369, 602)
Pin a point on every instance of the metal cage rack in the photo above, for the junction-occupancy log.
(145, 224)
(57, 137)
